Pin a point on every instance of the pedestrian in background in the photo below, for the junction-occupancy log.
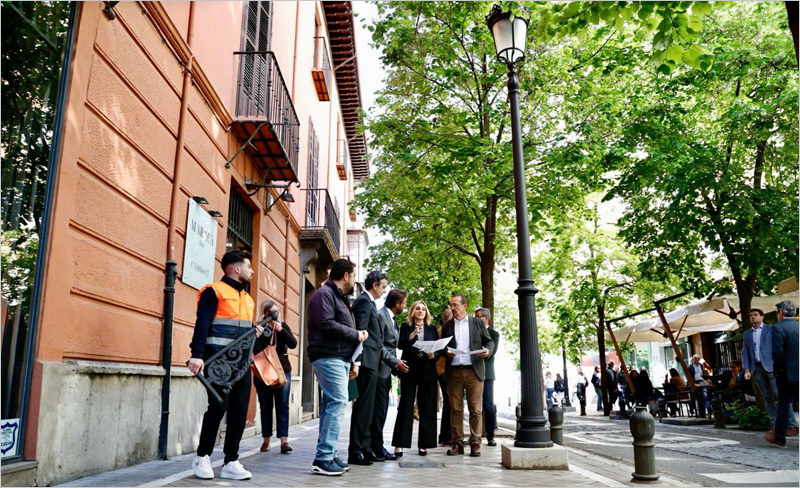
(549, 388)
(268, 396)
(489, 409)
(598, 390)
(785, 355)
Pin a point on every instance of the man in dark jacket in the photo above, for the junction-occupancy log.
(489, 411)
(332, 342)
(466, 372)
(369, 362)
(611, 384)
(785, 368)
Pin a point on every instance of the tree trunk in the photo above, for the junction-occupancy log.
(791, 10)
(487, 261)
(744, 288)
(601, 348)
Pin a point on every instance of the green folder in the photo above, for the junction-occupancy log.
(352, 390)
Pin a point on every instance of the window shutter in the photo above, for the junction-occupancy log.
(256, 37)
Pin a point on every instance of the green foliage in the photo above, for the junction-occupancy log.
(708, 161)
(18, 254)
(750, 417)
(675, 27)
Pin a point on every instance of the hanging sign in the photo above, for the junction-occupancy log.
(10, 438)
(199, 255)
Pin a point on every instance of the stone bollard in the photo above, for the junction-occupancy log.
(644, 449)
(719, 417)
(556, 417)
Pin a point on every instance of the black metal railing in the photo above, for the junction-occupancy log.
(321, 214)
(262, 94)
(322, 61)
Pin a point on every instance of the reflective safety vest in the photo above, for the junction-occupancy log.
(234, 316)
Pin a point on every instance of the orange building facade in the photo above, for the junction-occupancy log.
(169, 102)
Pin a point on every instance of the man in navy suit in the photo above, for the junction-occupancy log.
(785, 355)
(758, 363)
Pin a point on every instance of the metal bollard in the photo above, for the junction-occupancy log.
(556, 416)
(644, 449)
(719, 417)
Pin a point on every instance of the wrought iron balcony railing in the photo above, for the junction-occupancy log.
(321, 215)
(265, 118)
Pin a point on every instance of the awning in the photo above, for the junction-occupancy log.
(715, 315)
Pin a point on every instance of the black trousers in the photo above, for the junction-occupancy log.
(489, 413)
(363, 410)
(425, 393)
(235, 404)
(444, 431)
(381, 408)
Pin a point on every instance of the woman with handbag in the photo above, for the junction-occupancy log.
(420, 382)
(278, 373)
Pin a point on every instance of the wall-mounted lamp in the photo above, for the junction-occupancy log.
(215, 213)
(200, 200)
(109, 10)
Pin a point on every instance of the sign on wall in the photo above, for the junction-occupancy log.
(201, 246)
(9, 441)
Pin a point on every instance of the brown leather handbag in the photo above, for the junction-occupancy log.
(267, 365)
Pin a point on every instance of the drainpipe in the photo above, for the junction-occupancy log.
(172, 265)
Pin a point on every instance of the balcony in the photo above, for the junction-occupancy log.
(265, 121)
(341, 159)
(322, 230)
(321, 72)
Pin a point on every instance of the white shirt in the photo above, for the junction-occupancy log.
(757, 342)
(461, 333)
(549, 382)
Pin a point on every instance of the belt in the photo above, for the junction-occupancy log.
(462, 366)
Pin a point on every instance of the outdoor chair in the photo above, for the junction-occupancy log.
(674, 397)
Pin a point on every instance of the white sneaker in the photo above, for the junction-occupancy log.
(235, 471)
(202, 467)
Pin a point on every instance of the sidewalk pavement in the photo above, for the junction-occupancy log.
(435, 469)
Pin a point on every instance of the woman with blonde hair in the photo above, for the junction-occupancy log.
(421, 381)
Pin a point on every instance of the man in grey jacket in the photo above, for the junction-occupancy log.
(395, 304)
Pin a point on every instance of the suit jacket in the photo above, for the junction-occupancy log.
(765, 349)
(785, 348)
(366, 315)
(421, 368)
(490, 360)
(389, 340)
(478, 337)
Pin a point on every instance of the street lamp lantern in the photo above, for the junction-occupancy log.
(509, 35)
(509, 41)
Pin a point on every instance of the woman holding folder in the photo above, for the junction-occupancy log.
(420, 381)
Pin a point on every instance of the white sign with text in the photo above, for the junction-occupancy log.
(199, 254)
(10, 437)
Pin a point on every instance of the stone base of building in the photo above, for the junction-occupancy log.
(549, 458)
(22, 473)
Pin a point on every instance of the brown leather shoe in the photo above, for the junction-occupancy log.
(265, 445)
(456, 450)
(770, 437)
(791, 431)
(285, 448)
(475, 449)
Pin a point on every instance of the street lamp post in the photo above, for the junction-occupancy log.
(566, 403)
(509, 41)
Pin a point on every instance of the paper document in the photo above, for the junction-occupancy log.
(458, 351)
(430, 347)
(358, 351)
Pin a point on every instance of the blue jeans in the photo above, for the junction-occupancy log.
(766, 384)
(599, 393)
(550, 396)
(332, 376)
(267, 397)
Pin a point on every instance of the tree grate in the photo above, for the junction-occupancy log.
(422, 465)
